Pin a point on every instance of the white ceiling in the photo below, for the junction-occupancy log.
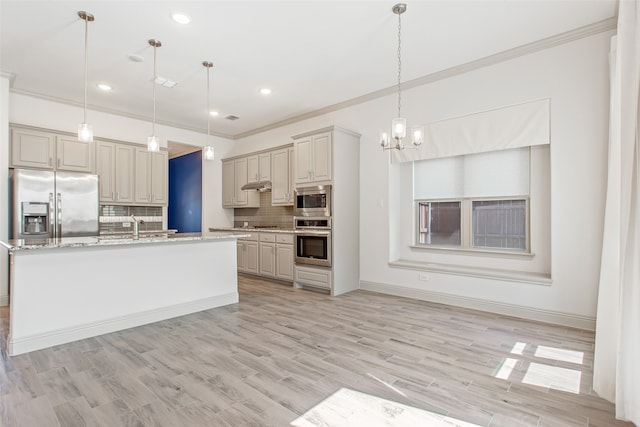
(312, 54)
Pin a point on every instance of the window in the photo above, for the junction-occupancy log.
(499, 224)
(440, 223)
(474, 202)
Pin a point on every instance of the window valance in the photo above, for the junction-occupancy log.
(521, 125)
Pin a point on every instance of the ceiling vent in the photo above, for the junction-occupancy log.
(165, 82)
(231, 117)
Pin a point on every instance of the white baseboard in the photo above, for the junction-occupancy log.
(62, 336)
(4, 300)
(547, 316)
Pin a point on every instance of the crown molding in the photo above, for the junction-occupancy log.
(526, 49)
(9, 76)
(116, 112)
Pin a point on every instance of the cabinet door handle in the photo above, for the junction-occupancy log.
(112, 195)
(58, 162)
(117, 195)
(50, 161)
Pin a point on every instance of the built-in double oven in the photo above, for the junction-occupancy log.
(312, 225)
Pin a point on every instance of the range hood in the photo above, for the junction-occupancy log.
(260, 186)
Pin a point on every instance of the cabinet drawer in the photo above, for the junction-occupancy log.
(284, 238)
(254, 237)
(319, 277)
(267, 237)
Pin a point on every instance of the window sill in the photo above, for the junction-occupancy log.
(476, 252)
(479, 272)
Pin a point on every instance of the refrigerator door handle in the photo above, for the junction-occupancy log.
(51, 217)
(59, 216)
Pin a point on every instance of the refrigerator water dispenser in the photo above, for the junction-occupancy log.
(35, 218)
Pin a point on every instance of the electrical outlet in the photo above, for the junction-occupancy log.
(126, 225)
(423, 276)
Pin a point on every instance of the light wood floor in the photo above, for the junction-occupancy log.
(361, 359)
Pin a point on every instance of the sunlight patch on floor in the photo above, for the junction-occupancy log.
(560, 354)
(349, 408)
(541, 374)
(553, 377)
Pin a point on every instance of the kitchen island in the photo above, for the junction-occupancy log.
(62, 290)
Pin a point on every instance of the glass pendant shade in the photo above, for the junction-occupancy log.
(208, 153)
(417, 135)
(398, 128)
(85, 132)
(384, 138)
(153, 144)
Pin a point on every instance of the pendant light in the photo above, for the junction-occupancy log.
(85, 130)
(208, 151)
(399, 124)
(153, 143)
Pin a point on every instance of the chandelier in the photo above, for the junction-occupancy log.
(399, 124)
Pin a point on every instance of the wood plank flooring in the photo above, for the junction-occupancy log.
(286, 356)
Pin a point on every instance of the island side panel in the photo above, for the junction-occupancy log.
(65, 294)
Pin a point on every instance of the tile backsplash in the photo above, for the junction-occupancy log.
(114, 219)
(265, 215)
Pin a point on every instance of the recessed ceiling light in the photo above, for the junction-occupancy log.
(265, 91)
(181, 18)
(214, 113)
(103, 86)
(135, 57)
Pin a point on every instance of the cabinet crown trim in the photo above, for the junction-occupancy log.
(327, 129)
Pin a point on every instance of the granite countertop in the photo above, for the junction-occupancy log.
(253, 229)
(71, 242)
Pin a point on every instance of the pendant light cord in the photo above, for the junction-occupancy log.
(86, 68)
(399, 64)
(208, 104)
(155, 77)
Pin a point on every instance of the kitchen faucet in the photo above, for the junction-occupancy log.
(136, 226)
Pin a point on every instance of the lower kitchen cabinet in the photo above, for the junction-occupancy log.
(248, 255)
(267, 259)
(317, 277)
(284, 256)
(267, 254)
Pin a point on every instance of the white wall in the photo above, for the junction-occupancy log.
(575, 77)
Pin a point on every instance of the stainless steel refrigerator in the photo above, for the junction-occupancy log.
(48, 204)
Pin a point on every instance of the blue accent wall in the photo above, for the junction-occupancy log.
(185, 193)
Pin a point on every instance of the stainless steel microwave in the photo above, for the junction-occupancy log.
(312, 201)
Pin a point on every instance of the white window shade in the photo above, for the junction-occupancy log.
(494, 174)
(521, 125)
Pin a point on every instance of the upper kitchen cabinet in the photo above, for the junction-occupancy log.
(115, 167)
(313, 159)
(47, 150)
(74, 155)
(259, 167)
(282, 165)
(151, 177)
(234, 176)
